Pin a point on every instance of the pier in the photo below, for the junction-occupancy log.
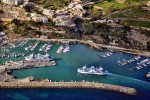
(91, 85)
(140, 65)
(124, 62)
(8, 66)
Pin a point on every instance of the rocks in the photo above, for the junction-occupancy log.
(92, 85)
(148, 4)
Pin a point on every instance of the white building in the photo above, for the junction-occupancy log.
(38, 18)
(49, 13)
(63, 20)
(13, 2)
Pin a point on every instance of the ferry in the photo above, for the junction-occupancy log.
(92, 70)
(38, 57)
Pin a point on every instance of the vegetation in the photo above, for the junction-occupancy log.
(53, 4)
(137, 23)
(88, 28)
(112, 5)
(135, 12)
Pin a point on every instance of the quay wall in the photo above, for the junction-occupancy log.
(93, 45)
(92, 85)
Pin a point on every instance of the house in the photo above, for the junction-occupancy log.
(63, 20)
(38, 18)
(48, 13)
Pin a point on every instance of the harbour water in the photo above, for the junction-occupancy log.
(66, 70)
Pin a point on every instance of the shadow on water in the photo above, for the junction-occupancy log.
(58, 59)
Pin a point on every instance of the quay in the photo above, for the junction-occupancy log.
(24, 64)
(91, 85)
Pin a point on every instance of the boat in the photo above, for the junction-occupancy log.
(38, 57)
(92, 71)
(66, 49)
(60, 49)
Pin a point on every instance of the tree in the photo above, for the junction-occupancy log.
(88, 29)
(148, 45)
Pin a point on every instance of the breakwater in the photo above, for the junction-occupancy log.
(92, 85)
(92, 45)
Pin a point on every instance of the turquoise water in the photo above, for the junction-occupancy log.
(66, 69)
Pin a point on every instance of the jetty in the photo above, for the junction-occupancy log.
(9, 66)
(91, 85)
(124, 62)
(21, 44)
(33, 46)
(142, 64)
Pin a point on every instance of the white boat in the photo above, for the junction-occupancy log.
(138, 67)
(92, 70)
(60, 49)
(66, 49)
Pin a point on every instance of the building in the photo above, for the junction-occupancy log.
(11, 13)
(38, 18)
(48, 13)
(12, 2)
(63, 20)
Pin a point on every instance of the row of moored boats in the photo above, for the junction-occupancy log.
(63, 48)
(46, 47)
(143, 63)
(105, 55)
(124, 62)
(32, 47)
(12, 55)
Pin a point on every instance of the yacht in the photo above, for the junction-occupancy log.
(92, 70)
(66, 49)
(38, 57)
(60, 49)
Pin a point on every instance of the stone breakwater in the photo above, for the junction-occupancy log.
(92, 85)
(92, 45)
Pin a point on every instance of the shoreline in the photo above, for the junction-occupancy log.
(90, 85)
(92, 45)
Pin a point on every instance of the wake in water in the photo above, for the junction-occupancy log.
(123, 77)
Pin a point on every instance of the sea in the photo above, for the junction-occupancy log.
(66, 70)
